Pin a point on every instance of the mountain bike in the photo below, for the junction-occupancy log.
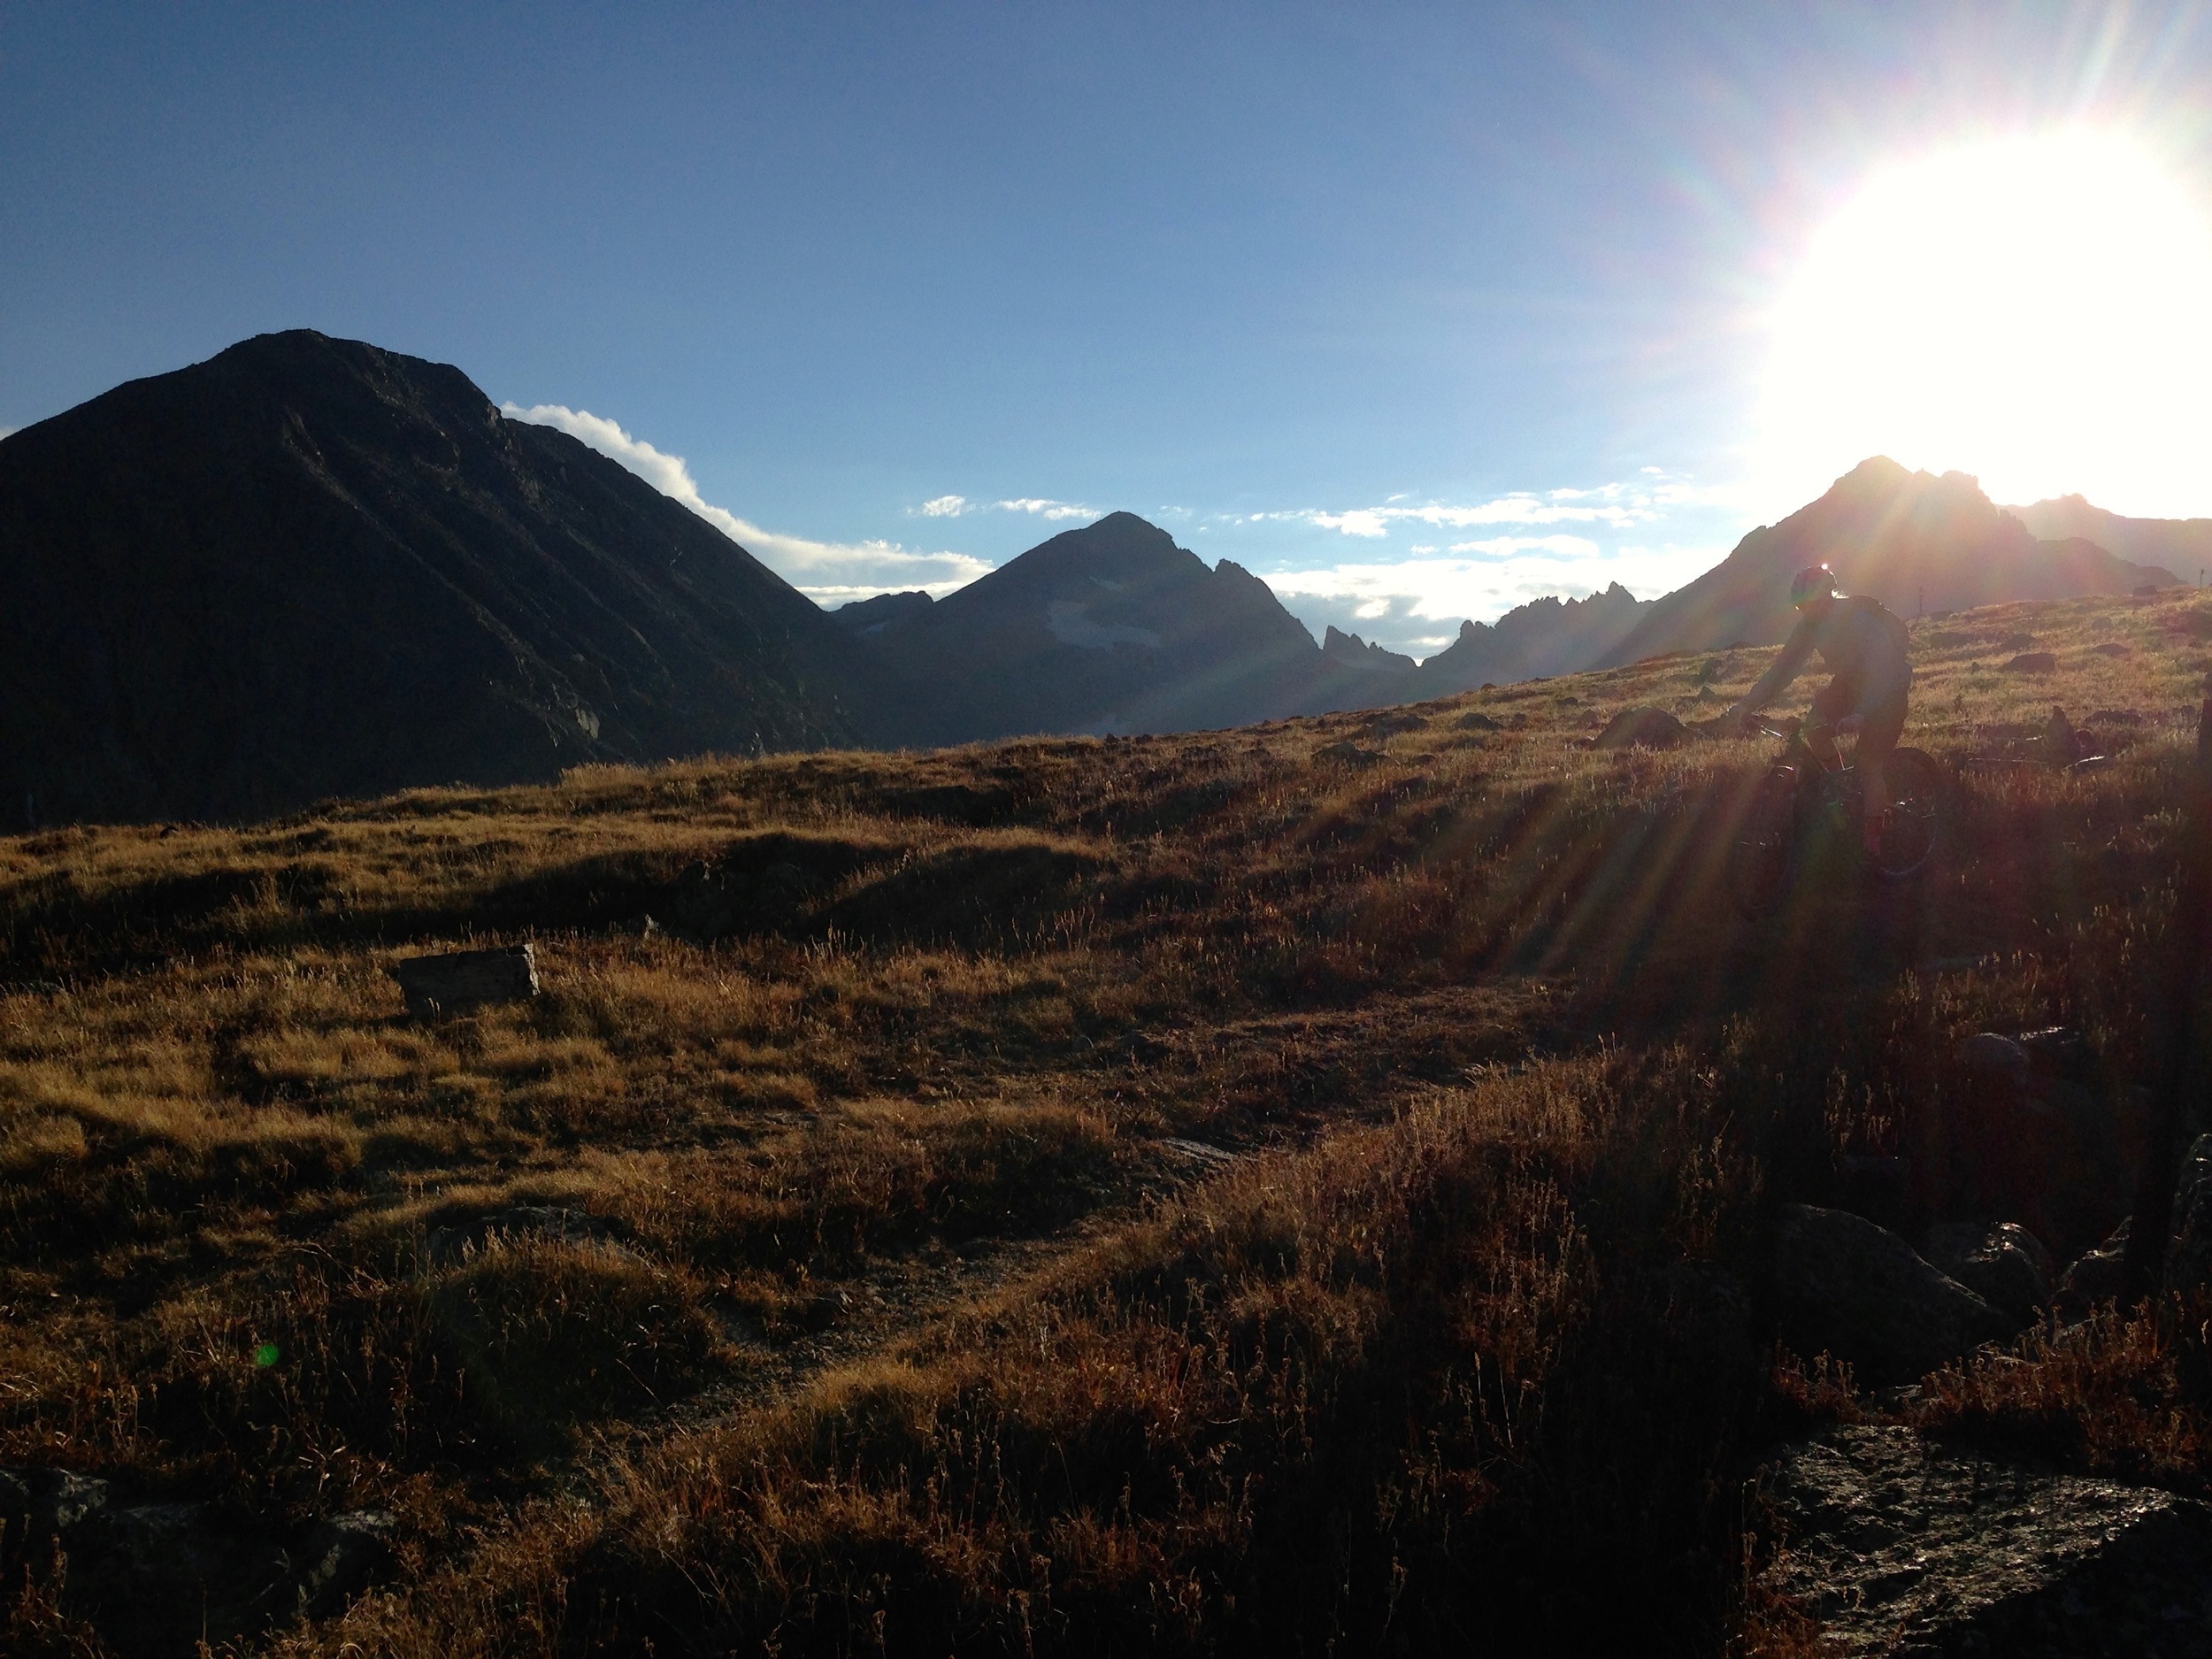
(1805, 823)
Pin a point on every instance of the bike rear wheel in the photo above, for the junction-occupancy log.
(1759, 856)
(1914, 826)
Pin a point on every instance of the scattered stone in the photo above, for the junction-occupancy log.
(1897, 1547)
(2032, 663)
(1345, 753)
(2111, 647)
(1200, 1153)
(1643, 728)
(1844, 1286)
(1390, 725)
(343, 1557)
(40, 1503)
(2005, 1264)
(457, 981)
(2097, 1278)
(1477, 722)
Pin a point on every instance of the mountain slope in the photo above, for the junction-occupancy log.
(1111, 627)
(1914, 542)
(1543, 637)
(2182, 545)
(310, 566)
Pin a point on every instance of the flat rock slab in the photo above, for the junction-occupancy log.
(1843, 1286)
(459, 980)
(1896, 1545)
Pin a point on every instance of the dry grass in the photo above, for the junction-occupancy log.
(1465, 1335)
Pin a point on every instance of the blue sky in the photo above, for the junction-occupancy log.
(1415, 310)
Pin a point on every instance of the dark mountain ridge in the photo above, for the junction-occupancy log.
(310, 566)
(1546, 636)
(1914, 542)
(1108, 628)
(2183, 546)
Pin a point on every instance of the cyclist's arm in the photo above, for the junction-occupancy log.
(1795, 654)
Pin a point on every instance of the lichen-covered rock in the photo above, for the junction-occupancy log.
(1895, 1545)
(1844, 1286)
(2006, 1265)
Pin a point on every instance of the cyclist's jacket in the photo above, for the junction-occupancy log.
(1863, 645)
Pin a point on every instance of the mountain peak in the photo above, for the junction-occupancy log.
(310, 566)
(1915, 540)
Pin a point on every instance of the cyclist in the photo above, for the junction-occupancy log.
(1867, 650)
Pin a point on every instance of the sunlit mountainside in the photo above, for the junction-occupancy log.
(1181, 1193)
(311, 568)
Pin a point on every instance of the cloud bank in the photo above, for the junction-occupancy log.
(828, 572)
(1415, 604)
(1035, 506)
(1617, 506)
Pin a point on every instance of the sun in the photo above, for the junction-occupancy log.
(2035, 312)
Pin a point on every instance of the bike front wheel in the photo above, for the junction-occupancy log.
(1914, 826)
(1759, 854)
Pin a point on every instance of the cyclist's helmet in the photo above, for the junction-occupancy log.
(1815, 581)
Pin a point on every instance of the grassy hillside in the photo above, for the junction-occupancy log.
(1291, 1189)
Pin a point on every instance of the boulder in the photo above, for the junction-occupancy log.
(2004, 1264)
(1642, 728)
(2096, 1278)
(1843, 1286)
(1477, 722)
(2189, 1256)
(36, 1504)
(1345, 753)
(2032, 663)
(160, 1578)
(343, 1557)
(1988, 1055)
(2028, 1128)
(1893, 1546)
(459, 981)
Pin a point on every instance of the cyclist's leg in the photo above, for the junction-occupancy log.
(1831, 703)
(1883, 724)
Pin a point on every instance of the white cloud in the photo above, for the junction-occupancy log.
(829, 573)
(1035, 506)
(1038, 507)
(1617, 506)
(1400, 604)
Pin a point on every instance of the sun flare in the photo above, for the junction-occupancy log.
(2035, 312)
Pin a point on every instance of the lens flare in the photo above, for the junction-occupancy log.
(2035, 312)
